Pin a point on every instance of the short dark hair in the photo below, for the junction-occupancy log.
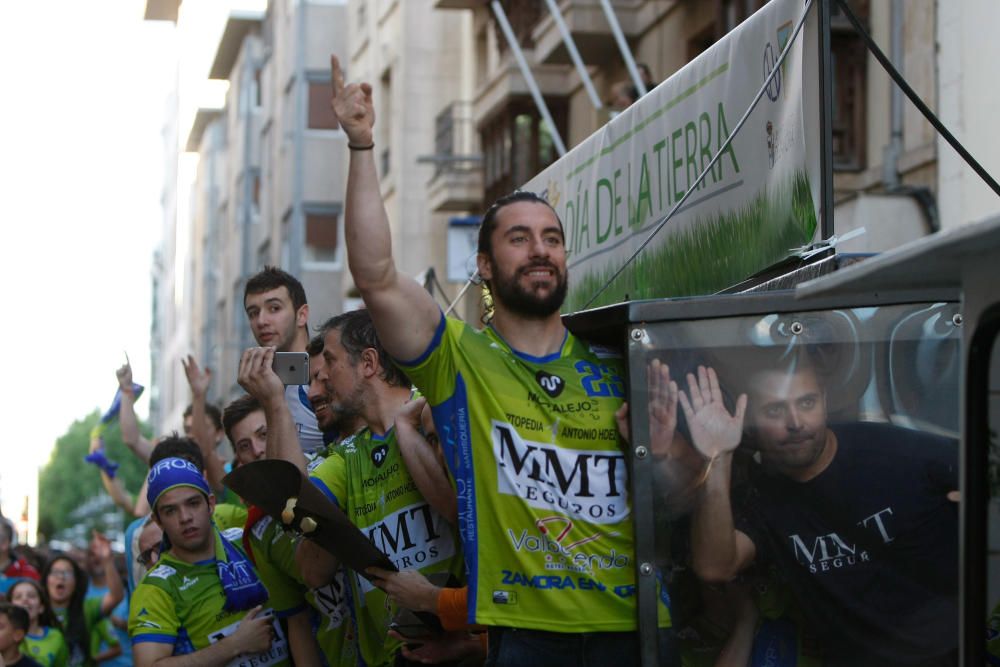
(316, 344)
(271, 277)
(18, 616)
(179, 446)
(212, 410)
(357, 333)
(236, 412)
(7, 526)
(489, 222)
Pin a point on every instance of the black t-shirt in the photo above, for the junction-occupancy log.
(869, 546)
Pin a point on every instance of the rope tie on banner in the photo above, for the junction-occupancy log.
(917, 102)
(722, 149)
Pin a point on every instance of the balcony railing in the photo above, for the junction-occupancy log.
(456, 142)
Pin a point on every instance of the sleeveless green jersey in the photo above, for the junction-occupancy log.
(366, 477)
(48, 649)
(541, 479)
(182, 604)
(274, 556)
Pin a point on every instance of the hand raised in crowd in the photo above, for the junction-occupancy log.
(256, 375)
(407, 588)
(713, 430)
(100, 546)
(198, 379)
(255, 633)
(661, 396)
(352, 104)
(124, 375)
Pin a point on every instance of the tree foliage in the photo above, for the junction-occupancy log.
(67, 482)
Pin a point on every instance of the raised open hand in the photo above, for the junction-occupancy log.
(713, 430)
(352, 104)
(197, 378)
(662, 392)
(100, 546)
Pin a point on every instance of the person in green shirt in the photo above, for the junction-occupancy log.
(365, 476)
(44, 640)
(203, 603)
(526, 416)
(13, 626)
(318, 619)
(66, 583)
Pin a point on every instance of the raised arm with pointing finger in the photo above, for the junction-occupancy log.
(525, 415)
(405, 314)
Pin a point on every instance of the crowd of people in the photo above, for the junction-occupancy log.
(490, 466)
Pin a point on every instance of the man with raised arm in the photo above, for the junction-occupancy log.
(525, 414)
(858, 519)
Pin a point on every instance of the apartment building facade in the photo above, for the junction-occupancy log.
(456, 127)
(268, 190)
(889, 163)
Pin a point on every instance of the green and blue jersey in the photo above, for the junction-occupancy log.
(541, 479)
(367, 478)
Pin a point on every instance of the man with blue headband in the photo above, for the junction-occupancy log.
(202, 603)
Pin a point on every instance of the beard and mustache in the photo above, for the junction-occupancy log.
(507, 289)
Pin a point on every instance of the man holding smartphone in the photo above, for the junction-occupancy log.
(276, 307)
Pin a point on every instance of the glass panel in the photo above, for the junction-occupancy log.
(805, 477)
(993, 513)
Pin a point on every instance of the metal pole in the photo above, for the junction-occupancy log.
(623, 46)
(296, 232)
(574, 54)
(825, 122)
(246, 261)
(536, 94)
(890, 159)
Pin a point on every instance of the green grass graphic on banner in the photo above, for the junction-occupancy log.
(710, 254)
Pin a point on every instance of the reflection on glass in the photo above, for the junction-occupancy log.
(993, 514)
(807, 485)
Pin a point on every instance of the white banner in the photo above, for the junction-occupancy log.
(759, 201)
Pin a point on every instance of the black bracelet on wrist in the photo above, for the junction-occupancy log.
(361, 148)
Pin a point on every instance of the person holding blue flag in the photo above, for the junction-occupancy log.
(204, 597)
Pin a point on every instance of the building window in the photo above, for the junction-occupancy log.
(727, 15)
(322, 233)
(517, 145)
(321, 116)
(850, 72)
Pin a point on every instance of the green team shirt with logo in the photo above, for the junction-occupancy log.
(274, 556)
(541, 479)
(49, 649)
(92, 617)
(182, 604)
(366, 477)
